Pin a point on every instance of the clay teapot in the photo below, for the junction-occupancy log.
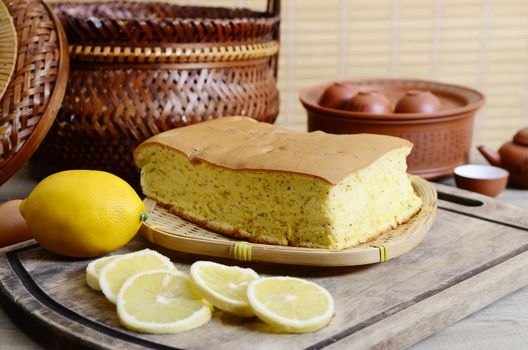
(512, 156)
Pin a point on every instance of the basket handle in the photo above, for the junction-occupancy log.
(274, 7)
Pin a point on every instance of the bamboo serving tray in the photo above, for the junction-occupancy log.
(170, 231)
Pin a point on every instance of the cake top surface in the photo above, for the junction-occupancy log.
(242, 143)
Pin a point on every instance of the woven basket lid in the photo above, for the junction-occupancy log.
(35, 90)
(8, 48)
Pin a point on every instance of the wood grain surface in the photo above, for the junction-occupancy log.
(467, 261)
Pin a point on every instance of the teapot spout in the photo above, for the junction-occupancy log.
(492, 156)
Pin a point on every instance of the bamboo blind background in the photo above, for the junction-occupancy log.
(478, 43)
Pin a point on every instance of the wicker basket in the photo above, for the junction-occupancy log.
(138, 69)
(34, 86)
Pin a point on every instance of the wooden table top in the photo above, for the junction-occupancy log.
(502, 325)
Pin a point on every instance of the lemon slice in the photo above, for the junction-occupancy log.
(291, 304)
(93, 269)
(114, 274)
(223, 286)
(161, 301)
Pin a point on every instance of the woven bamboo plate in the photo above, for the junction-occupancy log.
(170, 231)
(34, 94)
(8, 48)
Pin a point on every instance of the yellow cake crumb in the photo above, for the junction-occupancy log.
(278, 206)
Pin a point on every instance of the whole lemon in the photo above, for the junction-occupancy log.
(83, 213)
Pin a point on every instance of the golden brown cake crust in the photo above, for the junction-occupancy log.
(241, 143)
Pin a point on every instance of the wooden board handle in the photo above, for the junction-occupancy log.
(453, 198)
(479, 206)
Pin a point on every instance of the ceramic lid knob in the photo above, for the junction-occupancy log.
(373, 102)
(337, 94)
(417, 101)
(521, 137)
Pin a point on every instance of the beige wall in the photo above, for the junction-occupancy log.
(479, 43)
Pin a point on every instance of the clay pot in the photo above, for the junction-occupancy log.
(337, 94)
(373, 102)
(512, 156)
(417, 101)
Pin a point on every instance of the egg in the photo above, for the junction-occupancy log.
(13, 227)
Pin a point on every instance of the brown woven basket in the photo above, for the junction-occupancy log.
(138, 69)
(34, 91)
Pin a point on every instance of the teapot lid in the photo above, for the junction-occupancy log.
(521, 137)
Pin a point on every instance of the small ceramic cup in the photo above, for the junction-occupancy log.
(336, 95)
(417, 101)
(485, 179)
(369, 101)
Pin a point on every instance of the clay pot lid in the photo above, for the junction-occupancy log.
(521, 137)
(34, 92)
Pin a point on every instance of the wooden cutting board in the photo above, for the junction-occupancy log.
(475, 253)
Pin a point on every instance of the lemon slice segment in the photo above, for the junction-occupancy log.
(291, 304)
(223, 286)
(161, 301)
(93, 269)
(114, 274)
